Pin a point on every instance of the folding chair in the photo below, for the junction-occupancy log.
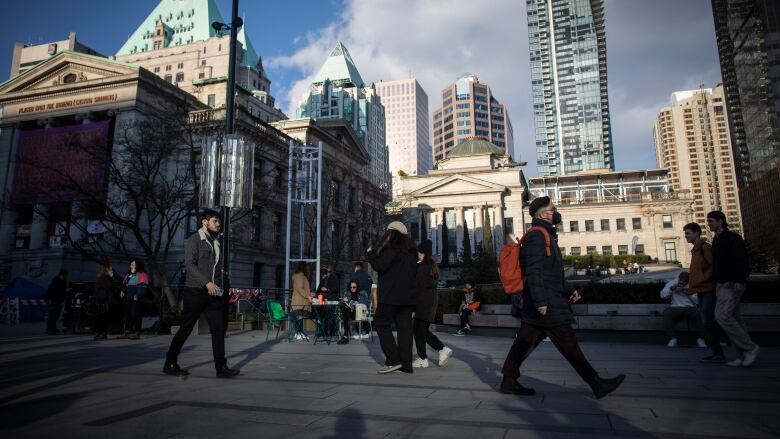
(276, 316)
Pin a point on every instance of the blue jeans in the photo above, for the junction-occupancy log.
(707, 303)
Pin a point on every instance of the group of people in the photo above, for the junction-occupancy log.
(710, 292)
(115, 303)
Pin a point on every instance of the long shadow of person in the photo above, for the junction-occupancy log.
(349, 424)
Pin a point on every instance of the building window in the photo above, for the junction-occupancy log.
(591, 249)
(278, 177)
(620, 223)
(352, 199)
(257, 274)
(667, 221)
(277, 230)
(574, 226)
(606, 249)
(589, 225)
(180, 77)
(622, 249)
(640, 249)
(605, 225)
(279, 276)
(563, 250)
(636, 223)
(167, 68)
(168, 78)
(201, 75)
(670, 249)
(181, 65)
(335, 188)
(335, 239)
(211, 100)
(257, 225)
(508, 225)
(575, 251)
(157, 69)
(203, 62)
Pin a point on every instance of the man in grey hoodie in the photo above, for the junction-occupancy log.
(202, 295)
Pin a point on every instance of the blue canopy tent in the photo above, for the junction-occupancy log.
(34, 294)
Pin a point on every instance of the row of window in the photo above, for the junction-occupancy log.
(620, 224)
(605, 250)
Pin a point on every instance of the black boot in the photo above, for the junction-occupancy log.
(511, 386)
(604, 386)
(171, 368)
(224, 371)
(344, 340)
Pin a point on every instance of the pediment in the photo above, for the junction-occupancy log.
(458, 184)
(66, 69)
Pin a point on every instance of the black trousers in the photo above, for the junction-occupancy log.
(400, 353)
(346, 318)
(54, 315)
(464, 317)
(710, 327)
(197, 302)
(132, 315)
(423, 336)
(528, 336)
(102, 320)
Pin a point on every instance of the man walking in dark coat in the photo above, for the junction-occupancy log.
(544, 309)
(55, 294)
(202, 295)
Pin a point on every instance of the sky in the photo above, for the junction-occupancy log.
(653, 49)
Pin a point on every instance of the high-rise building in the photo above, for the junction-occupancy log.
(568, 52)
(469, 109)
(177, 42)
(338, 91)
(748, 36)
(27, 56)
(692, 141)
(407, 128)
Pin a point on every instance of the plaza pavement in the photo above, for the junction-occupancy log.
(73, 387)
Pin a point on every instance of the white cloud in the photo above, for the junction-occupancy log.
(436, 41)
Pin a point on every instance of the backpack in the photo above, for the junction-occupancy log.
(509, 267)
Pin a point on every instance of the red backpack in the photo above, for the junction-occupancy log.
(509, 267)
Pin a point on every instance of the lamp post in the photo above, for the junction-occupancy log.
(235, 23)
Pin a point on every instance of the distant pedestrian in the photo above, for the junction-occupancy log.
(730, 270)
(360, 276)
(470, 303)
(135, 285)
(300, 302)
(105, 288)
(56, 294)
(329, 285)
(202, 295)
(545, 310)
(702, 284)
(395, 261)
(427, 301)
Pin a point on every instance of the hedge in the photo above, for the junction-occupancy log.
(763, 291)
(609, 261)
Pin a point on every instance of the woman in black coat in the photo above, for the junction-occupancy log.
(425, 310)
(104, 290)
(395, 260)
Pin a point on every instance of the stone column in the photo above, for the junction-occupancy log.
(39, 233)
(499, 227)
(478, 225)
(78, 223)
(459, 221)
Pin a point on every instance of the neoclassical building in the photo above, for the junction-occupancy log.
(477, 186)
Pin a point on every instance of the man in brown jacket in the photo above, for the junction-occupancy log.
(702, 284)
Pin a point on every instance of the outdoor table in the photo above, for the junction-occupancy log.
(327, 317)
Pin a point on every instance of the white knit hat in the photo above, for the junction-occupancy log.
(399, 226)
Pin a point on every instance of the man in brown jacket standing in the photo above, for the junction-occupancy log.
(702, 284)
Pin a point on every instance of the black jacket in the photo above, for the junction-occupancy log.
(58, 290)
(396, 269)
(332, 284)
(104, 289)
(729, 258)
(545, 285)
(425, 292)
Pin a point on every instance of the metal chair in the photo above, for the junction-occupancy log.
(276, 316)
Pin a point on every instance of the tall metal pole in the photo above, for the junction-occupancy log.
(231, 92)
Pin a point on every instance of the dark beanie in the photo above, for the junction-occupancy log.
(425, 247)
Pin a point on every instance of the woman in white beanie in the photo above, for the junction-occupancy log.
(395, 260)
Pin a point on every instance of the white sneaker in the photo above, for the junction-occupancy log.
(388, 369)
(356, 337)
(701, 343)
(672, 343)
(467, 327)
(750, 356)
(444, 356)
(460, 333)
(420, 363)
(735, 363)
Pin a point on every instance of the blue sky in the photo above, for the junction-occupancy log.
(653, 49)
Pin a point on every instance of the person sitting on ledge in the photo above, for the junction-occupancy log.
(684, 307)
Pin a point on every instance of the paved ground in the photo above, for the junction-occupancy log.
(73, 387)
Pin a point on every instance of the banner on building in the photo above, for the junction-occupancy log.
(61, 164)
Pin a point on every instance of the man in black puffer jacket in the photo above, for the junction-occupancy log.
(545, 310)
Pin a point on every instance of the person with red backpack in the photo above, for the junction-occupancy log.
(545, 309)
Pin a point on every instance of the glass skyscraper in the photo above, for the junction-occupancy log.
(567, 45)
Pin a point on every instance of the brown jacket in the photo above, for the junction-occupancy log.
(301, 293)
(701, 268)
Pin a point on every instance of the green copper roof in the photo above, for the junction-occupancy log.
(186, 20)
(250, 57)
(474, 146)
(339, 69)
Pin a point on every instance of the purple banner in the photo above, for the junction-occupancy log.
(61, 164)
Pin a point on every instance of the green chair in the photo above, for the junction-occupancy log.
(276, 316)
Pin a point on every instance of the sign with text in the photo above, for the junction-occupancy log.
(61, 164)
